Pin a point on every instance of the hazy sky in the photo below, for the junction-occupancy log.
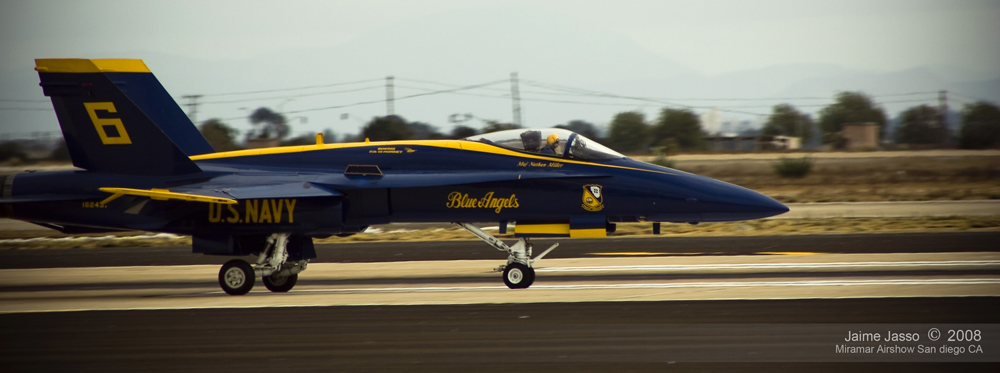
(710, 36)
(706, 37)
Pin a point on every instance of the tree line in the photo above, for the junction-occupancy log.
(630, 132)
(672, 130)
(680, 129)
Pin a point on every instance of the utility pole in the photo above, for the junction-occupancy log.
(943, 111)
(192, 107)
(516, 97)
(389, 97)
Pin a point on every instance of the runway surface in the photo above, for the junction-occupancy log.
(560, 337)
(658, 304)
(570, 248)
(891, 209)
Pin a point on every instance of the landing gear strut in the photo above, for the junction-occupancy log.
(237, 276)
(518, 272)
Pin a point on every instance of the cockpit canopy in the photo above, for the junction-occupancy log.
(555, 142)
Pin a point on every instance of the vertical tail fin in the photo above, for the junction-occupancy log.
(117, 118)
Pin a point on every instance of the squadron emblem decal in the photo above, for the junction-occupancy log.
(593, 199)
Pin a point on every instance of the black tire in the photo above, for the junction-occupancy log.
(518, 276)
(280, 284)
(236, 277)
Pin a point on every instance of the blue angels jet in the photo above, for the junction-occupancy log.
(144, 166)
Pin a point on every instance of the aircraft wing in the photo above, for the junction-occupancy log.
(287, 190)
(225, 195)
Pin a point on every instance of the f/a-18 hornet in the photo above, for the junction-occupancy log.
(144, 166)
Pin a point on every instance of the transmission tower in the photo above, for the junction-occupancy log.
(515, 96)
(389, 97)
(943, 111)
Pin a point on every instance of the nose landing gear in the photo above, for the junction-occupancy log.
(518, 273)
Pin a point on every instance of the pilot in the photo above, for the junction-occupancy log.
(555, 145)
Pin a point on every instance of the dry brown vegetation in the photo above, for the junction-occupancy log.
(864, 179)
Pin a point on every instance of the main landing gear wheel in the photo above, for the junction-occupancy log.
(280, 284)
(518, 276)
(236, 277)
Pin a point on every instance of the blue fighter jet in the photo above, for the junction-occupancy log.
(144, 166)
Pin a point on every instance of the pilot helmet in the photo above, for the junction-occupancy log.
(552, 139)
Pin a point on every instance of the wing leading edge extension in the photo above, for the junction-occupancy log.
(423, 179)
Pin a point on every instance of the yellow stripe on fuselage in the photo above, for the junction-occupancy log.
(473, 146)
(588, 233)
(559, 229)
(541, 229)
(80, 65)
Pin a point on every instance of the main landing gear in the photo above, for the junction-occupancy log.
(518, 272)
(237, 276)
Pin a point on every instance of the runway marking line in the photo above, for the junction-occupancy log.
(641, 253)
(442, 289)
(682, 267)
(788, 253)
(647, 253)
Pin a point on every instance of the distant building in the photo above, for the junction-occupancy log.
(711, 121)
(753, 143)
(860, 135)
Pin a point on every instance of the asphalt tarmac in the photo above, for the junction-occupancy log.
(631, 304)
(550, 337)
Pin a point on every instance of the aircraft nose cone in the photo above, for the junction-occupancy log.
(765, 205)
(730, 202)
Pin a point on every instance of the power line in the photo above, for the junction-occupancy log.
(293, 96)
(964, 99)
(507, 96)
(192, 107)
(26, 109)
(579, 92)
(824, 105)
(378, 101)
(612, 95)
(790, 98)
(536, 99)
(25, 101)
(967, 97)
(292, 88)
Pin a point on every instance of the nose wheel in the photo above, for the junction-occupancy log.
(518, 276)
